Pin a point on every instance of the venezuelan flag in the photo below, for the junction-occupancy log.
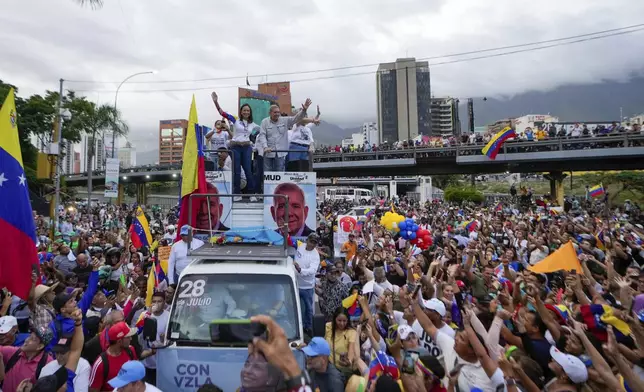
(16, 220)
(596, 317)
(498, 207)
(351, 305)
(155, 277)
(494, 146)
(383, 364)
(193, 173)
(471, 225)
(600, 240)
(140, 230)
(597, 190)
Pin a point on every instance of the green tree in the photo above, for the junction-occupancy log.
(462, 193)
(443, 181)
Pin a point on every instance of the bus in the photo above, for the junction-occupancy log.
(358, 195)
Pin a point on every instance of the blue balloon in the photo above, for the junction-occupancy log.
(413, 236)
(409, 233)
(402, 225)
(414, 228)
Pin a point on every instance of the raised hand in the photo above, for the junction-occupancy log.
(214, 96)
(306, 104)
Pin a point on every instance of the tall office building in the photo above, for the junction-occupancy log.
(445, 117)
(68, 159)
(404, 99)
(127, 156)
(171, 136)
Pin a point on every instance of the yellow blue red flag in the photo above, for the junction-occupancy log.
(140, 230)
(494, 145)
(19, 257)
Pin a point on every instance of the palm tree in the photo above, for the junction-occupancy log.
(92, 3)
(94, 121)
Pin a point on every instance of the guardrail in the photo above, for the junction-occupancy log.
(424, 152)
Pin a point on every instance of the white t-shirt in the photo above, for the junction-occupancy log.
(309, 261)
(148, 388)
(301, 135)
(426, 341)
(81, 381)
(242, 130)
(219, 140)
(472, 374)
(179, 257)
(162, 324)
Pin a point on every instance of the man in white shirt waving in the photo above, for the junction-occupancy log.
(307, 261)
(179, 253)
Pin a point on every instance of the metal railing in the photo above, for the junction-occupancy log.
(283, 229)
(424, 152)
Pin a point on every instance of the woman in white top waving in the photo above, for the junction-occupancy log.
(240, 146)
(300, 141)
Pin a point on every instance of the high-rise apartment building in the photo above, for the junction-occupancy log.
(98, 153)
(404, 99)
(68, 159)
(127, 156)
(171, 136)
(370, 133)
(445, 121)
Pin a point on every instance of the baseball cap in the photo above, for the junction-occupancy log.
(436, 305)
(185, 230)
(53, 382)
(62, 346)
(119, 331)
(7, 323)
(316, 347)
(171, 227)
(130, 372)
(44, 333)
(573, 366)
(60, 301)
(404, 331)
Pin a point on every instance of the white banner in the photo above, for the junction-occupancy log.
(111, 177)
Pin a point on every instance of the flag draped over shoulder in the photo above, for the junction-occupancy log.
(564, 258)
(16, 219)
(193, 174)
(140, 235)
(494, 145)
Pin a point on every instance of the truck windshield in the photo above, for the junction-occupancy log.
(207, 305)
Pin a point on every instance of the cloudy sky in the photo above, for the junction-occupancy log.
(44, 40)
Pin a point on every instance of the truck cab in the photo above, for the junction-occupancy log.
(209, 329)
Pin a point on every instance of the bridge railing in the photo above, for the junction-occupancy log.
(425, 152)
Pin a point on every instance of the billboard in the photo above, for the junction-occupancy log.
(300, 188)
(111, 177)
(214, 213)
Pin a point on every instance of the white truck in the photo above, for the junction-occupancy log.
(209, 329)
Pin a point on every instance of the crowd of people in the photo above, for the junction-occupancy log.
(465, 312)
(529, 134)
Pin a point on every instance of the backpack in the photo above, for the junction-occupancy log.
(16, 357)
(106, 363)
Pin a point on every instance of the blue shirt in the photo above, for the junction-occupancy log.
(67, 324)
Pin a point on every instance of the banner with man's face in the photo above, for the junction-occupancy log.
(213, 213)
(300, 189)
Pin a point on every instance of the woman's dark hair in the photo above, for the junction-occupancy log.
(250, 118)
(338, 311)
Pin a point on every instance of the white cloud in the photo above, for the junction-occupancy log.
(44, 40)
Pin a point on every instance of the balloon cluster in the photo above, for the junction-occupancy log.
(423, 239)
(391, 221)
(408, 229)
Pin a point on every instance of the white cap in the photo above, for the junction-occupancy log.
(404, 330)
(7, 323)
(573, 366)
(436, 305)
(171, 227)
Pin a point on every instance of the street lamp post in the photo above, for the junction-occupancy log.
(63, 115)
(116, 97)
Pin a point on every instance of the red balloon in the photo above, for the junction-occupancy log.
(427, 240)
(414, 242)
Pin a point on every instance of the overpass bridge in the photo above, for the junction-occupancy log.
(555, 156)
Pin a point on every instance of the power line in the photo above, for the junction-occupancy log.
(619, 29)
(589, 38)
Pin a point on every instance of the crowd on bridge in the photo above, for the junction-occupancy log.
(505, 296)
